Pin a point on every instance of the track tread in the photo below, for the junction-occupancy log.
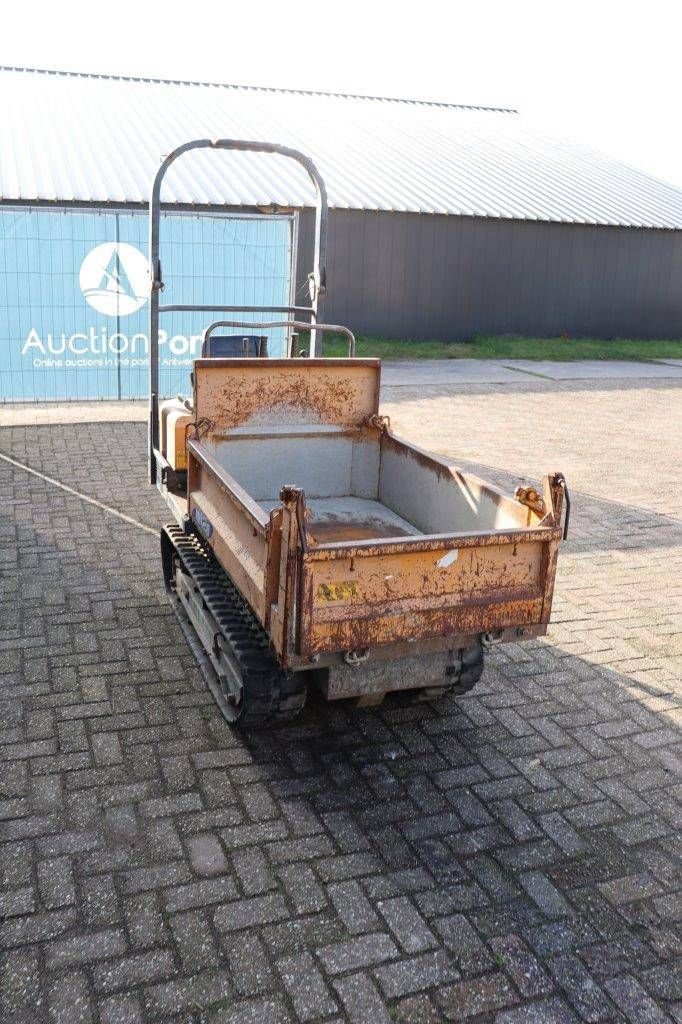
(270, 694)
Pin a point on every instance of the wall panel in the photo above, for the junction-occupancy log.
(423, 276)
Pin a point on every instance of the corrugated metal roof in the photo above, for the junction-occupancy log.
(73, 137)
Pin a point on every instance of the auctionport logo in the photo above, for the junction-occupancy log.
(114, 279)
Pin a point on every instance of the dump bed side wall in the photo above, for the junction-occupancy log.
(439, 498)
(241, 541)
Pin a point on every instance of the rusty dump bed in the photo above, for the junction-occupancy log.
(344, 538)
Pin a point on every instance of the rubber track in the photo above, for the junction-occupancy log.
(461, 680)
(471, 670)
(270, 694)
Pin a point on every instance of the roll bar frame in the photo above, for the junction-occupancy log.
(298, 325)
(316, 279)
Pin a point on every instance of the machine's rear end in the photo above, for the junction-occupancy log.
(311, 545)
(367, 563)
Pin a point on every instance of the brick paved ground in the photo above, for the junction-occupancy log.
(512, 856)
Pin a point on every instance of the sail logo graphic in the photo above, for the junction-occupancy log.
(114, 279)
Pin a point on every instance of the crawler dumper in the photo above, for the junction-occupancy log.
(310, 545)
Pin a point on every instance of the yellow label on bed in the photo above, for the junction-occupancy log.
(337, 591)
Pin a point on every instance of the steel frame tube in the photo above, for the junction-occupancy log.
(317, 278)
(298, 325)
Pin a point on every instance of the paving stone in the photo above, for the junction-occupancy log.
(492, 878)
(563, 834)
(164, 841)
(258, 802)
(106, 748)
(137, 969)
(305, 848)
(15, 902)
(146, 926)
(476, 996)
(194, 940)
(206, 989)
(634, 1001)
(170, 805)
(632, 887)
(56, 883)
(351, 865)
(547, 897)
(348, 837)
(253, 871)
(159, 876)
(302, 888)
(306, 987)
(207, 855)
(664, 981)
(69, 1000)
(416, 1010)
(416, 973)
(360, 952)
(120, 1010)
(99, 902)
(252, 1011)
(21, 931)
(20, 986)
(248, 963)
(47, 793)
(407, 924)
(309, 932)
(252, 835)
(200, 894)
(525, 971)
(85, 948)
(469, 953)
(353, 907)
(547, 1011)
(244, 913)
(584, 993)
(361, 1000)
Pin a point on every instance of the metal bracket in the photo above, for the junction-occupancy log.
(532, 498)
(355, 658)
(381, 423)
(293, 497)
(174, 479)
(560, 481)
(157, 280)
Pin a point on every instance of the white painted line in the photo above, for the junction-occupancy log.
(77, 494)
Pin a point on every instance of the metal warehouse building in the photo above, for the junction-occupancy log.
(446, 221)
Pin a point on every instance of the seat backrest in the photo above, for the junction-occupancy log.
(235, 346)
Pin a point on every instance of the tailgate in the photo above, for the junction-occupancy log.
(373, 593)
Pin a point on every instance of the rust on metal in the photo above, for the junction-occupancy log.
(338, 531)
(241, 391)
(532, 498)
(473, 620)
(362, 571)
(378, 421)
(488, 538)
(404, 594)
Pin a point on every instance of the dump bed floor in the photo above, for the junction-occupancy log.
(348, 518)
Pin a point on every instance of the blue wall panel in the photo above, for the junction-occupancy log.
(73, 296)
